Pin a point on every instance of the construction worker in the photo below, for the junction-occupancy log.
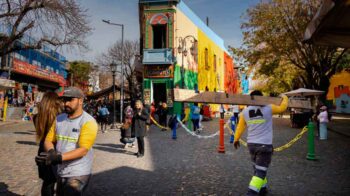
(69, 145)
(258, 121)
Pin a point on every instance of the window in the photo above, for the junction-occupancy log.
(206, 59)
(159, 36)
(214, 63)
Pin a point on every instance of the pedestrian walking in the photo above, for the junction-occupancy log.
(44, 120)
(139, 126)
(323, 119)
(103, 114)
(235, 109)
(258, 121)
(163, 114)
(195, 114)
(70, 145)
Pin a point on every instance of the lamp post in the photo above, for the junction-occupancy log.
(122, 69)
(182, 49)
(113, 69)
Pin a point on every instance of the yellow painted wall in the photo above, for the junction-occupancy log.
(342, 78)
(208, 77)
(183, 27)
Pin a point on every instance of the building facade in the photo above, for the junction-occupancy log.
(34, 72)
(180, 50)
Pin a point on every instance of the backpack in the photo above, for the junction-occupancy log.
(172, 121)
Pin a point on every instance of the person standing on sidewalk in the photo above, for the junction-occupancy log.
(103, 114)
(163, 114)
(323, 118)
(69, 145)
(258, 121)
(48, 108)
(139, 126)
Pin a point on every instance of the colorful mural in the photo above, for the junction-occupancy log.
(339, 93)
(199, 58)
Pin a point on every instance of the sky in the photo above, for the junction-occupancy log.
(224, 19)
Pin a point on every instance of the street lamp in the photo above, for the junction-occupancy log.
(182, 49)
(113, 69)
(122, 69)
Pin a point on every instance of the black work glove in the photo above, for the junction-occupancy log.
(49, 158)
(236, 144)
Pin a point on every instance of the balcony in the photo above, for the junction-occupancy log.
(157, 56)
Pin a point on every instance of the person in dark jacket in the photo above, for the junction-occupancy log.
(139, 126)
(48, 108)
(163, 113)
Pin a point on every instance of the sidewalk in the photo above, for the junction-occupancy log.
(10, 122)
(340, 124)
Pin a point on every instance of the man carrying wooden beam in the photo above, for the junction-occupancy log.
(258, 121)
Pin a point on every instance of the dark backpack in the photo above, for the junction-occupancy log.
(172, 121)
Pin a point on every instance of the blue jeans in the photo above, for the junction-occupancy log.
(323, 131)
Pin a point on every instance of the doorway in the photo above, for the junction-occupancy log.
(159, 93)
(159, 36)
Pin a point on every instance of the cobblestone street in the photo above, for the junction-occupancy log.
(186, 166)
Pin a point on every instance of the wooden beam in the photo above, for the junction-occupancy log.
(185, 95)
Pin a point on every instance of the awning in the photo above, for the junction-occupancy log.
(304, 92)
(6, 84)
(331, 25)
(105, 92)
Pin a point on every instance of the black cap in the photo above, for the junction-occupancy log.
(73, 92)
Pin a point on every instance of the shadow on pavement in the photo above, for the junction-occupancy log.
(4, 190)
(121, 146)
(23, 133)
(118, 182)
(27, 143)
(113, 148)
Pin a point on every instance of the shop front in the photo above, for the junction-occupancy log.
(158, 84)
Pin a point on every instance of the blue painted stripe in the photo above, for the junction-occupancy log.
(201, 25)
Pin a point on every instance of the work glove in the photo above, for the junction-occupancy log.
(236, 144)
(49, 158)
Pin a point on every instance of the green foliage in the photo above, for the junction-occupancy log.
(273, 46)
(80, 70)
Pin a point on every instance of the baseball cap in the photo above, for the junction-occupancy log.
(72, 92)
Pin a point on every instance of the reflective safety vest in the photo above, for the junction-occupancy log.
(67, 138)
(259, 124)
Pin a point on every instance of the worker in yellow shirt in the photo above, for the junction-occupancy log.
(258, 121)
(69, 145)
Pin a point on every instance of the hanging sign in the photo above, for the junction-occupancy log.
(158, 71)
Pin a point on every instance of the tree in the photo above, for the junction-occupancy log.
(273, 37)
(114, 54)
(80, 73)
(38, 22)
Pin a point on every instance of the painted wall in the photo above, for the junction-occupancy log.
(339, 92)
(184, 27)
(231, 82)
(210, 77)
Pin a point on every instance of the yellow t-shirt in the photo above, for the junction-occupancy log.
(87, 135)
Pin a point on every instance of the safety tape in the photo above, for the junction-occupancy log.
(227, 125)
(280, 148)
(194, 134)
(158, 125)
